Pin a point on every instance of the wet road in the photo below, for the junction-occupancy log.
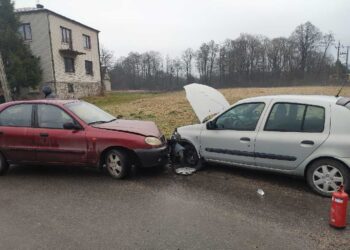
(216, 208)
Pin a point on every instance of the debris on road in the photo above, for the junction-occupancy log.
(260, 192)
(185, 171)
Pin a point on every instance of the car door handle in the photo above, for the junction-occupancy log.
(306, 142)
(44, 135)
(245, 139)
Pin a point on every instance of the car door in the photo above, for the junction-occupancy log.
(16, 139)
(54, 144)
(291, 133)
(230, 137)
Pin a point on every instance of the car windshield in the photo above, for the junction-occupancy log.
(90, 113)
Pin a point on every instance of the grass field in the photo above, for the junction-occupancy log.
(171, 110)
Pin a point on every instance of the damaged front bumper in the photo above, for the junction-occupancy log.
(153, 157)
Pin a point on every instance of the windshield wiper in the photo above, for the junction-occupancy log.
(112, 120)
(97, 122)
(100, 122)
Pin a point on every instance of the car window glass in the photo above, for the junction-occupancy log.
(50, 116)
(17, 116)
(348, 105)
(314, 119)
(89, 113)
(286, 117)
(242, 117)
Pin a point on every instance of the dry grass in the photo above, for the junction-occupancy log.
(171, 110)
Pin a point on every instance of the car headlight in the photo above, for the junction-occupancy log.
(153, 141)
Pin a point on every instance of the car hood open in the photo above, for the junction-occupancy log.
(205, 100)
(146, 128)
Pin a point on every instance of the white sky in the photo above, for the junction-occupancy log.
(171, 26)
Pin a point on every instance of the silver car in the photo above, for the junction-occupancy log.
(303, 135)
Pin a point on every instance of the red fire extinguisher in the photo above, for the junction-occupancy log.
(338, 210)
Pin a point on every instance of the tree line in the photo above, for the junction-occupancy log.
(249, 60)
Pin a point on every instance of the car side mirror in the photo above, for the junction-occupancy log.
(71, 126)
(211, 125)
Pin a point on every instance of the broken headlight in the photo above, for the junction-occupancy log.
(176, 136)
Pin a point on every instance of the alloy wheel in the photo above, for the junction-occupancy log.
(327, 178)
(114, 164)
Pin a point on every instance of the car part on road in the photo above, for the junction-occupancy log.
(338, 209)
(3, 165)
(326, 176)
(185, 170)
(117, 164)
(260, 192)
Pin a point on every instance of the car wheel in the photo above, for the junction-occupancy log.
(4, 167)
(190, 155)
(117, 164)
(325, 176)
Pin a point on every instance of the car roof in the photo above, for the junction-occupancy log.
(43, 101)
(296, 98)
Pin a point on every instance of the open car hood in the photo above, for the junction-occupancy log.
(205, 100)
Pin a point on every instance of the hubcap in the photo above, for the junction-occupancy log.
(114, 164)
(327, 178)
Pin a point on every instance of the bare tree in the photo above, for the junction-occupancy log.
(107, 61)
(187, 57)
(213, 51)
(307, 38)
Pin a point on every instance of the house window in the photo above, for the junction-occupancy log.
(70, 88)
(88, 68)
(87, 42)
(69, 64)
(66, 35)
(25, 31)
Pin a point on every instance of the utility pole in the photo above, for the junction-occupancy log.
(3, 82)
(347, 58)
(338, 50)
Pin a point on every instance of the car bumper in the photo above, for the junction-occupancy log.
(153, 157)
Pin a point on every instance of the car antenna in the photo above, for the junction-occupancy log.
(340, 90)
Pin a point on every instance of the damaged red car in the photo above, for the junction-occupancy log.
(76, 133)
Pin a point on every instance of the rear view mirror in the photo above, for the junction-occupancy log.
(71, 126)
(211, 125)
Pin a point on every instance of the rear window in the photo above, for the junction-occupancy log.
(292, 117)
(17, 116)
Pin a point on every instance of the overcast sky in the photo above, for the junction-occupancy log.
(171, 26)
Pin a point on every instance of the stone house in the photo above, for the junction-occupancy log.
(68, 51)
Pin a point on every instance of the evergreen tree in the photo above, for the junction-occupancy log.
(22, 68)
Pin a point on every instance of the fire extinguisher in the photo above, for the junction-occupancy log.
(338, 209)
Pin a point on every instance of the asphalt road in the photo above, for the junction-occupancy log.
(216, 208)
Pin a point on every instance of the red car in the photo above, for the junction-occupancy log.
(57, 132)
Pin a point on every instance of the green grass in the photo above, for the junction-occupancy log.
(116, 98)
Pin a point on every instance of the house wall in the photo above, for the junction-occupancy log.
(84, 84)
(40, 43)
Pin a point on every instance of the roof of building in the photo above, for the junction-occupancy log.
(39, 10)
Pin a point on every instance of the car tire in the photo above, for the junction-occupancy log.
(117, 164)
(190, 155)
(4, 166)
(326, 175)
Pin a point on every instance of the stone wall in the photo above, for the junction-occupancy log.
(76, 90)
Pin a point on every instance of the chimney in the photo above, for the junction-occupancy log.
(39, 6)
